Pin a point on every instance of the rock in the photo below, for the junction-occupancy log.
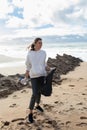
(1, 75)
(18, 119)
(81, 124)
(6, 123)
(8, 85)
(63, 65)
(83, 117)
(68, 122)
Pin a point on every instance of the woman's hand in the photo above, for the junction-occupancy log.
(27, 74)
(47, 68)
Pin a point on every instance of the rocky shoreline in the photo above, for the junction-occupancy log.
(63, 64)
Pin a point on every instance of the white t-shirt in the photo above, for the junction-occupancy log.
(35, 63)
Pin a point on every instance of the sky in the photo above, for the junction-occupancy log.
(28, 18)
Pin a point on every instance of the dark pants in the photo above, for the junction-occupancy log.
(37, 84)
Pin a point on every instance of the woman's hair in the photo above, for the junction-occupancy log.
(32, 46)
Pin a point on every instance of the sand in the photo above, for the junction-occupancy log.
(66, 109)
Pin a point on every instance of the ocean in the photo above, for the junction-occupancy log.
(19, 51)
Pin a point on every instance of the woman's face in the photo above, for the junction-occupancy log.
(38, 45)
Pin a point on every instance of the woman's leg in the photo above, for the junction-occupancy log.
(38, 98)
(40, 85)
(34, 83)
(36, 95)
(33, 98)
(37, 84)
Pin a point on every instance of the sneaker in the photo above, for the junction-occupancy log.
(30, 118)
(40, 109)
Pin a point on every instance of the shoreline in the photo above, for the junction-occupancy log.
(65, 109)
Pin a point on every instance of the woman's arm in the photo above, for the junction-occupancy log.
(28, 67)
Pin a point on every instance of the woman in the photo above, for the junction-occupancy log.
(36, 69)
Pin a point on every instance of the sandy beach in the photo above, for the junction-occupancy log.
(66, 109)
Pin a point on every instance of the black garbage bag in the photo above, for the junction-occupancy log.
(47, 87)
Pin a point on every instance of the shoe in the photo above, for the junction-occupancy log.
(40, 109)
(30, 118)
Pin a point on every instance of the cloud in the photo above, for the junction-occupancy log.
(17, 3)
(14, 22)
(23, 18)
(5, 8)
